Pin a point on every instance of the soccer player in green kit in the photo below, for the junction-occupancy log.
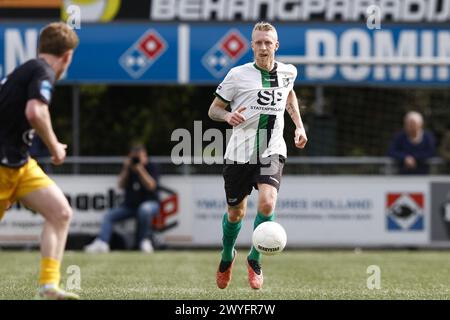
(258, 93)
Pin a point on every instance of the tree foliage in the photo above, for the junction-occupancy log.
(354, 122)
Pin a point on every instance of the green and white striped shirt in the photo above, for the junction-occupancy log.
(264, 94)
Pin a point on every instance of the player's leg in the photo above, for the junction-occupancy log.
(238, 186)
(231, 225)
(267, 199)
(8, 182)
(146, 212)
(266, 204)
(4, 205)
(268, 182)
(101, 243)
(51, 203)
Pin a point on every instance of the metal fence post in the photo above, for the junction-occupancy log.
(76, 126)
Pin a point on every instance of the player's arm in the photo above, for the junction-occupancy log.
(217, 112)
(292, 108)
(38, 116)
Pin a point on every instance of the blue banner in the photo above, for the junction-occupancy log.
(331, 42)
(113, 53)
(203, 54)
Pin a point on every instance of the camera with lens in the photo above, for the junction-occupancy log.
(135, 160)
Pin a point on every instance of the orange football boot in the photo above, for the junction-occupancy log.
(223, 274)
(255, 274)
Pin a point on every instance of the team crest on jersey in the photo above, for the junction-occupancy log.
(28, 137)
(286, 82)
(46, 90)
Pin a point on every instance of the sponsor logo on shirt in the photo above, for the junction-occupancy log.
(46, 90)
(28, 137)
(269, 97)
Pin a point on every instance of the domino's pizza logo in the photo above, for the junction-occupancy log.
(143, 53)
(225, 53)
(405, 211)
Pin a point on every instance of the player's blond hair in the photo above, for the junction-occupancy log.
(57, 38)
(265, 26)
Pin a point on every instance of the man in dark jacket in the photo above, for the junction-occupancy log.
(412, 147)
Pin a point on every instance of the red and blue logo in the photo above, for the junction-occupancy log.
(405, 211)
(225, 53)
(143, 53)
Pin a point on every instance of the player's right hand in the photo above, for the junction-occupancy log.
(300, 138)
(235, 118)
(59, 154)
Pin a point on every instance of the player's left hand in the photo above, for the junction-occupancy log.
(58, 153)
(300, 138)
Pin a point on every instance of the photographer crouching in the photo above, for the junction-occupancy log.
(139, 179)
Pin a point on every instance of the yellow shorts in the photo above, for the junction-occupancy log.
(18, 182)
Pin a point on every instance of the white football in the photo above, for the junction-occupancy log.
(269, 238)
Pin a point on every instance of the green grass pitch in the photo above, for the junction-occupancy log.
(303, 274)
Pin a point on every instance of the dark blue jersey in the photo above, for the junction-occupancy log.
(32, 80)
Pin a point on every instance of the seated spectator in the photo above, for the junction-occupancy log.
(139, 178)
(412, 147)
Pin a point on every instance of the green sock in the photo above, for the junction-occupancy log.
(260, 218)
(230, 233)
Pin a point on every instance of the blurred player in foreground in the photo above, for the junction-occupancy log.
(258, 94)
(25, 96)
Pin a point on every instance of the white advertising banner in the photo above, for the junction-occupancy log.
(315, 211)
(89, 196)
(328, 211)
